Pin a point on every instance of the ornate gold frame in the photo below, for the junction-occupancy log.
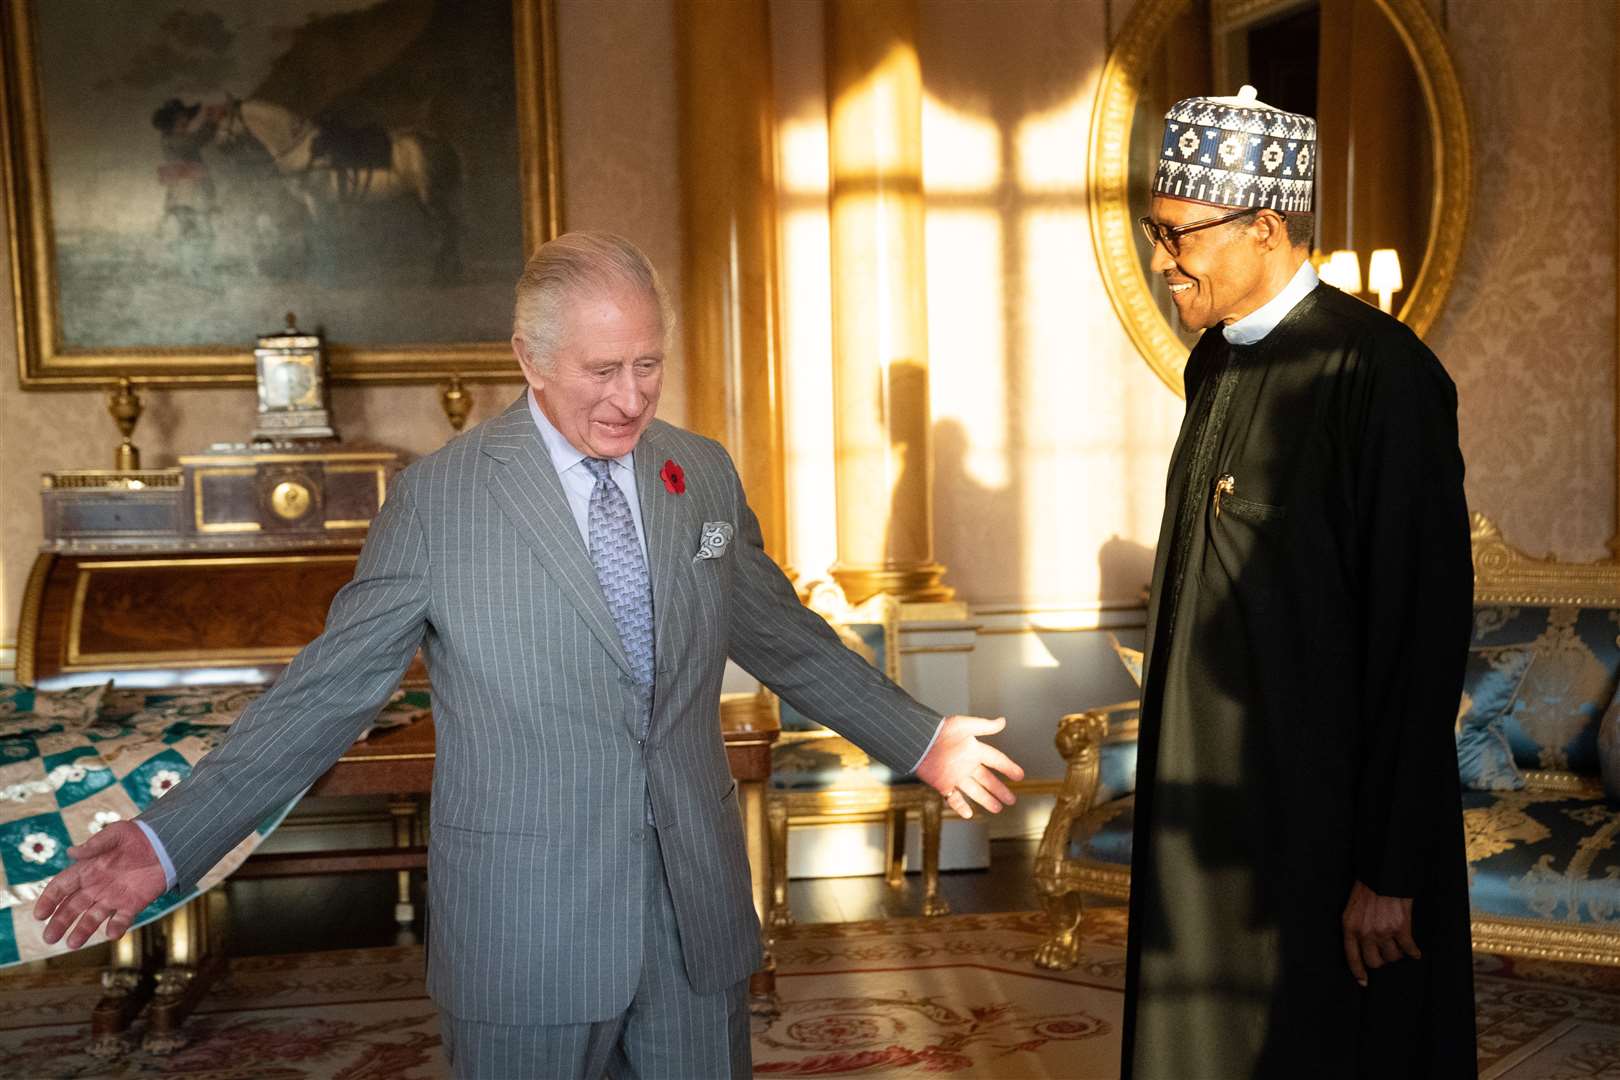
(44, 365)
(1502, 575)
(1505, 575)
(1115, 236)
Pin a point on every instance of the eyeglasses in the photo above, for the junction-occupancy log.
(1170, 235)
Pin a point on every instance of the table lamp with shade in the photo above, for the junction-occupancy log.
(1384, 277)
(1343, 271)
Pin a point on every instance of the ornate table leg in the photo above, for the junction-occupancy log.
(128, 984)
(406, 812)
(762, 983)
(194, 955)
(749, 726)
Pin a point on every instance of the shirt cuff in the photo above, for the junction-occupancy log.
(161, 851)
(930, 748)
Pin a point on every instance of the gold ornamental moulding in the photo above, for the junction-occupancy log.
(1505, 575)
(1534, 939)
(47, 361)
(112, 479)
(1115, 235)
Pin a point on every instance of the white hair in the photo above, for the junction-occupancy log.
(574, 265)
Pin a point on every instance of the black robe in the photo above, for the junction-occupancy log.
(1306, 647)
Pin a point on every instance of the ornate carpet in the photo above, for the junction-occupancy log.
(356, 1014)
(956, 996)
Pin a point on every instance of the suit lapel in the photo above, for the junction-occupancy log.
(664, 518)
(530, 493)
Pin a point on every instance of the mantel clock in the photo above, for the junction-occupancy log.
(291, 368)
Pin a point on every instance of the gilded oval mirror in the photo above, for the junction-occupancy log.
(1393, 153)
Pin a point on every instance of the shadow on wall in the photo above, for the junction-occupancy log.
(1124, 570)
(970, 515)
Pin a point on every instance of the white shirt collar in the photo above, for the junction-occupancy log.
(564, 454)
(1257, 324)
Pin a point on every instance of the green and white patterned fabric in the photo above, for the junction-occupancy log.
(66, 772)
(24, 709)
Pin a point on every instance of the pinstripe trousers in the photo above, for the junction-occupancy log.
(669, 1031)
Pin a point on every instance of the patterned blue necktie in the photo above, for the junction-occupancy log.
(621, 570)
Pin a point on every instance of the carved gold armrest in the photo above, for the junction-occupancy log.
(1079, 739)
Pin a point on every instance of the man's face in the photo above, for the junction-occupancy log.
(602, 388)
(1217, 272)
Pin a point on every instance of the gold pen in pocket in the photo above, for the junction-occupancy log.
(1225, 484)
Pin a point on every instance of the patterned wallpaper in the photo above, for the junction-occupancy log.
(1529, 330)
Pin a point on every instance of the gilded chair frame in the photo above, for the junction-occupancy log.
(890, 805)
(1062, 882)
(1502, 575)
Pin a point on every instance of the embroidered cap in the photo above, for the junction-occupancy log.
(1238, 152)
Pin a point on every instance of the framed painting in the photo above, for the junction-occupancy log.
(181, 175)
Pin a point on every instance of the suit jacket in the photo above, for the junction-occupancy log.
(541, 780)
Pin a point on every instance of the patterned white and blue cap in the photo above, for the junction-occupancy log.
(1238, 151)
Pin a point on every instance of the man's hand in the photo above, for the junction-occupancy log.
(114, 875)
(959, 766)
(1377, 931)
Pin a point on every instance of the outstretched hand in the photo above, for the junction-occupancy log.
(115, 874)
(1377, 931)
(960, 767)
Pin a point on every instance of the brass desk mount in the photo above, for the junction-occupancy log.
(125, 407)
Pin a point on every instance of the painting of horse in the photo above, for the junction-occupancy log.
(210, 165)
(335, 166)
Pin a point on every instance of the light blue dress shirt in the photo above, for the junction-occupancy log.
(1257, 324)
(577, 481)
(162, 853)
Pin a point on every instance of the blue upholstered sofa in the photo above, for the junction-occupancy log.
(1543, 841)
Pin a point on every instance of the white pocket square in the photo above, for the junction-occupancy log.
(716, 538)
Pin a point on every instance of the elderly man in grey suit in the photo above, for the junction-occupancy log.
(576, 574)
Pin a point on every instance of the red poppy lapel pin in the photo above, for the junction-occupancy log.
(674, 479)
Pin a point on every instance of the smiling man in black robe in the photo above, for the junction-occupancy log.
(1299, 901)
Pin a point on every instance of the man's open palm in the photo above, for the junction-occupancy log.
(962, 768)
(114, 876)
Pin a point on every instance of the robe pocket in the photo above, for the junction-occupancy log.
(1252, 511)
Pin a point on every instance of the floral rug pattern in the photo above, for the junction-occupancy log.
(953, 996)
(357, 1014)
(1540, 1020)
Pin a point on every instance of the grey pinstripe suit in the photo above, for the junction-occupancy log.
(540, 784)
